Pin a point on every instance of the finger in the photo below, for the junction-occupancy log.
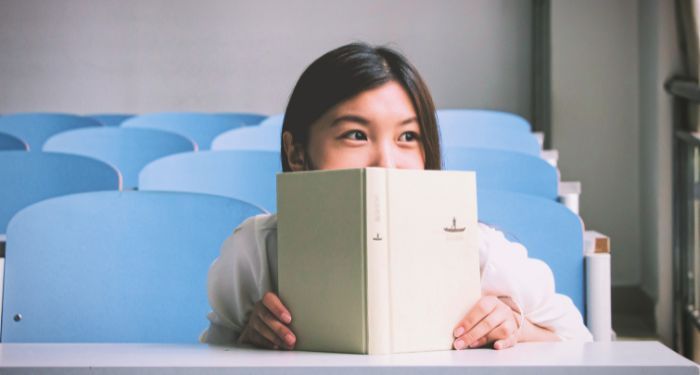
(260, 341)
(507, 329)
(505, 343)
(280, 330)
(273, 303)
(481, 309)
(479, 343)
(485, 326)
(264, 330)
(255, 338)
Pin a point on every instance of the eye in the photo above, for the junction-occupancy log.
(355, 135)
(409, 137)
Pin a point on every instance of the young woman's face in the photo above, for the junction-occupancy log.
(377, 128)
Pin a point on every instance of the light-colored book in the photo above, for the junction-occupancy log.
(377, 260)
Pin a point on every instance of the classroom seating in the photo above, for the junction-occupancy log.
(490, 138)
(481, 118)
(10, 142)
(29, 177)
(36, 128)
(549, 231)
(114, 266)
(127, 149)
(246, 175)
(505, 170)
(202, 128)
(111, 119)
(245, 118)
(274, 120)
(262, 138)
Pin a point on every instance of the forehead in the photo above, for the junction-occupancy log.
(389, 99)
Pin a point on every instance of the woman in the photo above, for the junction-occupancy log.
(359, 106)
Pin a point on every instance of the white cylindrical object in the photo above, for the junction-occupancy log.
(598, 301)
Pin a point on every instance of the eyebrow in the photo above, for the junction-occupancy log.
(364, 122)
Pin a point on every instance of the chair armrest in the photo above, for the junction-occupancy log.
(550, 156)
(598, 286)
(569, 192)
(595, 242)
(540, 138)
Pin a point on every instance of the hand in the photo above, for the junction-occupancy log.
(267, 325)
(489, 321)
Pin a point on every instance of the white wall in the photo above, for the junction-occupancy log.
(139, 56)
(595, 119)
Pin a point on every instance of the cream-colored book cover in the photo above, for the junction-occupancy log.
(377, 260)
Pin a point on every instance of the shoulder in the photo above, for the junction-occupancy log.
(493, 240)
(251, 234)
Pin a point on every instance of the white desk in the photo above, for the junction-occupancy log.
(534, 358)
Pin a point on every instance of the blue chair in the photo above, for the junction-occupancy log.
(29, 177)
(111, 119)
(202, 128)
(274, 120)
(36, 128)
(490, 138)
(263, 138)
(481, 118)
(10, 142)
(504, 170)
(114, 266)
(245, 118)
(246, 175)
(550, 232)
(128, 149)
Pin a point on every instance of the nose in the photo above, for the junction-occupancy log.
(384, 156)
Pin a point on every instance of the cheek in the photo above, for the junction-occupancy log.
(413, 159)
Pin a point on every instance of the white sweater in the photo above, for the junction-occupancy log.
(247, 269)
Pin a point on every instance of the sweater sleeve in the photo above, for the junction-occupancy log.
(506, 270)
(237, 279)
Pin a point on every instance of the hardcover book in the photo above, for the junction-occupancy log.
(375, 260)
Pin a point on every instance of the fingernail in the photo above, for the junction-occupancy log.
(289, 339)
(474, 344)
(286, 318)
(497, 345)
(458, 332)
(459, 344)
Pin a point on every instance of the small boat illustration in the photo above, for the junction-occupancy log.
(453, 228)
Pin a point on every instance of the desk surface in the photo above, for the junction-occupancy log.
(527, 358)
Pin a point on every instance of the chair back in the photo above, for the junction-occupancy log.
(261, 138)
(30, 177)
(127, 149)
(202, 128)
(114, 266)
(246, 175)
(9, 142)
(35, 128)
(505, 170)
(549, 231)
(481, 118)
(245, 118)
(111, 119)
(274, 120)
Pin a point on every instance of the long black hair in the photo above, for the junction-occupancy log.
(346, 72)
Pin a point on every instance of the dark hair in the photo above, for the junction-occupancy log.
(348, 71)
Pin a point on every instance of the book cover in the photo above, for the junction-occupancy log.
(377, 260)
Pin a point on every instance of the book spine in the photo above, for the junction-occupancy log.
(378, 288)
